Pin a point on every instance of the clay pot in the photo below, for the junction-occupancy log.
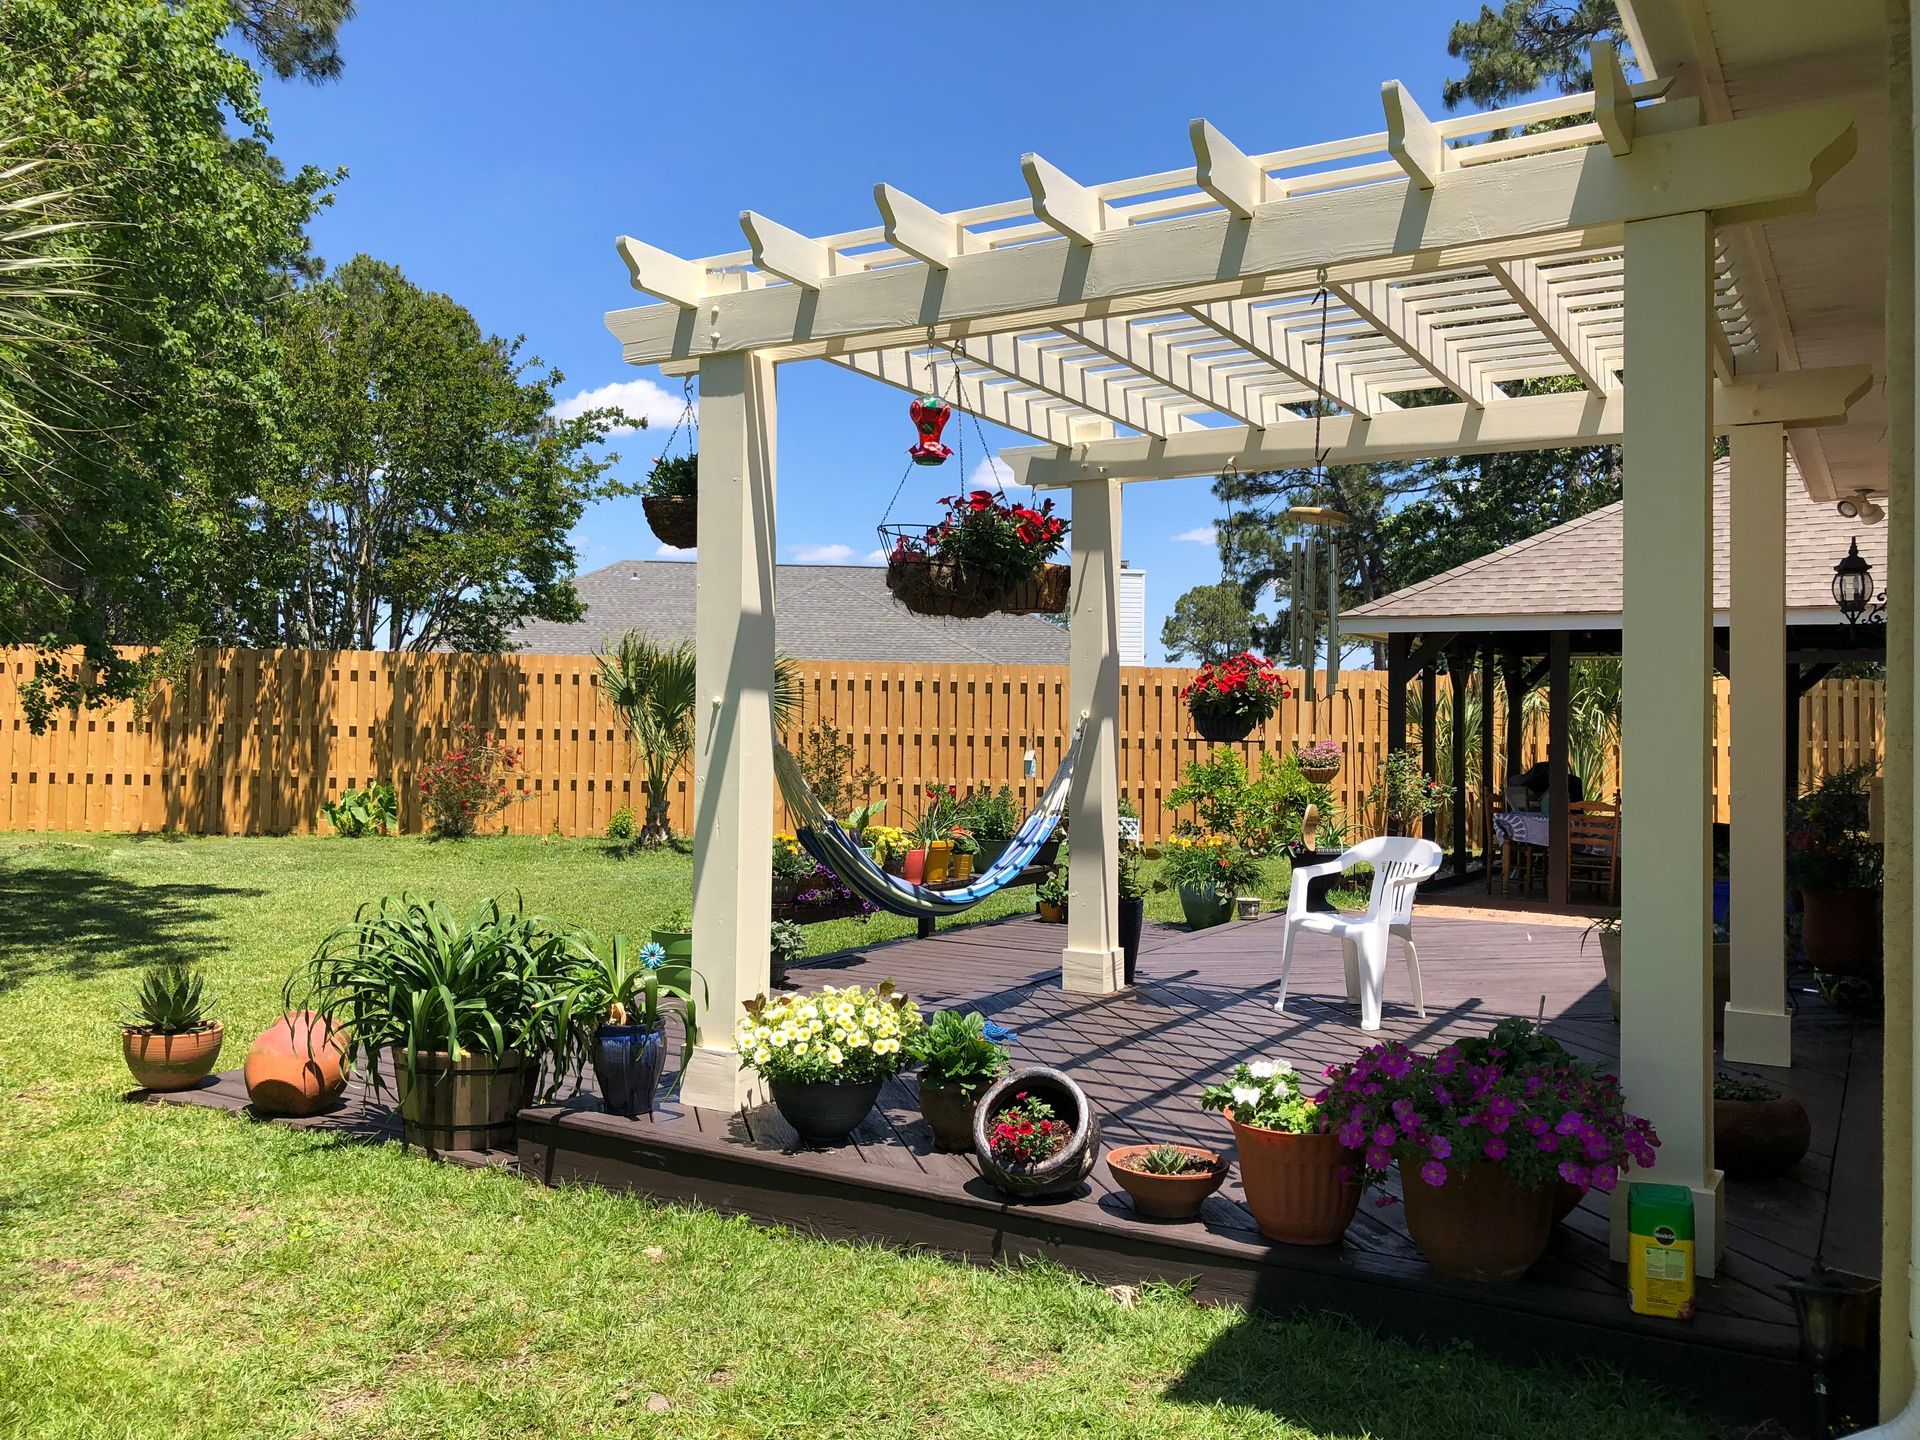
(1064, 1170)
(1840, 930)
(171, 1062)
(297, 1066)
(914, 870)
(1167, 1197)
(1050, 913)
(1760, 1139)
(939, 862)
(949, 1114)
(1481, 1225)
(1294, 1184)
(466, 1104)
(825, 1110)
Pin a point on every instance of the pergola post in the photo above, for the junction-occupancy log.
(1666, 1044)
(1092, 962)
(733, 716)
(1758, 1028)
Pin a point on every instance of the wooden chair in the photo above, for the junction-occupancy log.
(1593, 841)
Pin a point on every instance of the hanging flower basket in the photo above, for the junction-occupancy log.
(986, 555)
(1232, 699)
(1046, 594)
(1222, 727)
(674, 519)
(933, 587)
(1320, 762)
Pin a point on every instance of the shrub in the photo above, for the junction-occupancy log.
(992, 815)
(826, 759)
(1212, 862)
(623, 826)
(468, 784)
(372, 811)
(1261, 813)
(1827, 837)
(1402, 792)
(172, 999)
(849, 1034)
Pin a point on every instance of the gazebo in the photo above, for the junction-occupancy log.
(1169, 324)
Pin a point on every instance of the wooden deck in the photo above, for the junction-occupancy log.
(1204, 1002)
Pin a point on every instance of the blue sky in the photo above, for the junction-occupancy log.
(495, 150)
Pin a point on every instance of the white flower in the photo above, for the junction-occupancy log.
(1280, 1067)
(1262, 1069)
(857, 1039)
(762, 1055)
(778, 1040)
(834, 1057)
(1246, 1096)
(800, 1047)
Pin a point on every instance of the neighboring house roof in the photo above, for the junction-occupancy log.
(822, 612)
(1569, 577)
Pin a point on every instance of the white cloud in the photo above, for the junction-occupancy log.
(660, 407)
(1203, 535)
(822, 554)
(874, 557)
(988, 472)
(667, 552)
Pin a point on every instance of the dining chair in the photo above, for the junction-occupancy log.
(1593, 846)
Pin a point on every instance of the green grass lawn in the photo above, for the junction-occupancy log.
(172, 1271)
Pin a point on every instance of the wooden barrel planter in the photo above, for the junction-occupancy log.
(674, 519)
(465, 1104)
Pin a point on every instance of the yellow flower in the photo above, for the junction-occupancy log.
(834, 1057)
(762, 1055)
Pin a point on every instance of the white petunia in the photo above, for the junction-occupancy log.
(1246, 1096)
(1281, 1067)
(1262, 1069)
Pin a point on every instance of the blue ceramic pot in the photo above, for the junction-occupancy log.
(627, 1061)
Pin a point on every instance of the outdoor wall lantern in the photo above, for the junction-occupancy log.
(1853, 588)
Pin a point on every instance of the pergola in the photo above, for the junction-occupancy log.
(1166, 325)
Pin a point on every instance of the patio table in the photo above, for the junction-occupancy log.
(1522, 827)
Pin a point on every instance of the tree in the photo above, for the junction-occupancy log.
(429, 493)
(1208, 624)
(123, 518)
(295, 37)
(652, 687)
(1514, 50)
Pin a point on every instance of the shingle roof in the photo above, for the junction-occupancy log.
(824, 612)
(1573, 570)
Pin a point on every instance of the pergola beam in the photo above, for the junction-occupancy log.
(1527, 205)
(1262, 336)
(1073, 378)
(1030, 411)
(1532, 422)
(1527, 283)
(1159, 359)
(1388, 309)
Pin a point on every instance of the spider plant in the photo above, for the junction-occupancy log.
(410, 976)
(172, 999)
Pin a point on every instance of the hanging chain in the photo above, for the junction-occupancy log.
(689, 418)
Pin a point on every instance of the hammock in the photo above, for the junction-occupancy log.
(829, 843)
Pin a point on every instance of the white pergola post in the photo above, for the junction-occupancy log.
(1666, 1039)
(1092, 962)
(733, 716)
(1758, 1030)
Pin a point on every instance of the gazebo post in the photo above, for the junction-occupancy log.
(1459, 672)
(1092, 962)
(1758, 1028)
(1429, 737)
(1559, 766)
(733, 716)
(1486, 760)
(1666, 1042)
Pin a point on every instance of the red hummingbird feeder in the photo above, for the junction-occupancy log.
(930, 415)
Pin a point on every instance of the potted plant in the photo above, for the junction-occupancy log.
(825, 1054)
(965, 847)
(1320, 761)
(889, 844)
(957, 1064)
(171, 1040)
(991, 816)
(1231, 699)
(985, 554)
(674, 935)
(791, 866)
(1035, 1133)
(1838, 870)
(1758, 1133)
(1207, 871)
(1480, 1146)
(1133, 908)
(1051, 896)
(1403, 793)
(671, 498)
(297, 1066)
(466, 1014)
(1607, 933)
(1300, 1182)
(1167, 1182)
(788, 946)
(615, 1018)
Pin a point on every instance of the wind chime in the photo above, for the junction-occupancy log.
(1313, 558)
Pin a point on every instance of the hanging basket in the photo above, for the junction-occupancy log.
(1320, 774)
(1045, 594)
(936, 588)
(1221, 729)
(675, 519)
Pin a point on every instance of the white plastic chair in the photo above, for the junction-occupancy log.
(1399, 864)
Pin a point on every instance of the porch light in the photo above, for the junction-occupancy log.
(1834, 1309)
(1852, 584)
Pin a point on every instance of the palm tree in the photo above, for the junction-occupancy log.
(1593, 723)
(653, 686)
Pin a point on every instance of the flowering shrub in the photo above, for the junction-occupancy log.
(468, 784)
(790, 859)
(998, 541)
(1538, 1120)
(1402, 792)
(1209, 862)
(1320, 755)
(850, 1034)
(1245, 689)
(886, 841)
(1027, 1131)
(1266, 1093)
(962, 840)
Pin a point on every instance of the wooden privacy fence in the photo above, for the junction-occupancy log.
(252, 741)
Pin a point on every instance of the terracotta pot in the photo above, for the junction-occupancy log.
(297, 1066)
(949, 1114)
(1566, 1199)
(1840, 930)
(1167, 1197)
(825, 1110)
(1760, 1139)
(939, 861)
(1051, 913)
(1068, 1167)
(914, 867)
(1293, 1184)
(171, 1062)
(1480, 1225)
(1205, 907)
(960, 868)
(465, 1104)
